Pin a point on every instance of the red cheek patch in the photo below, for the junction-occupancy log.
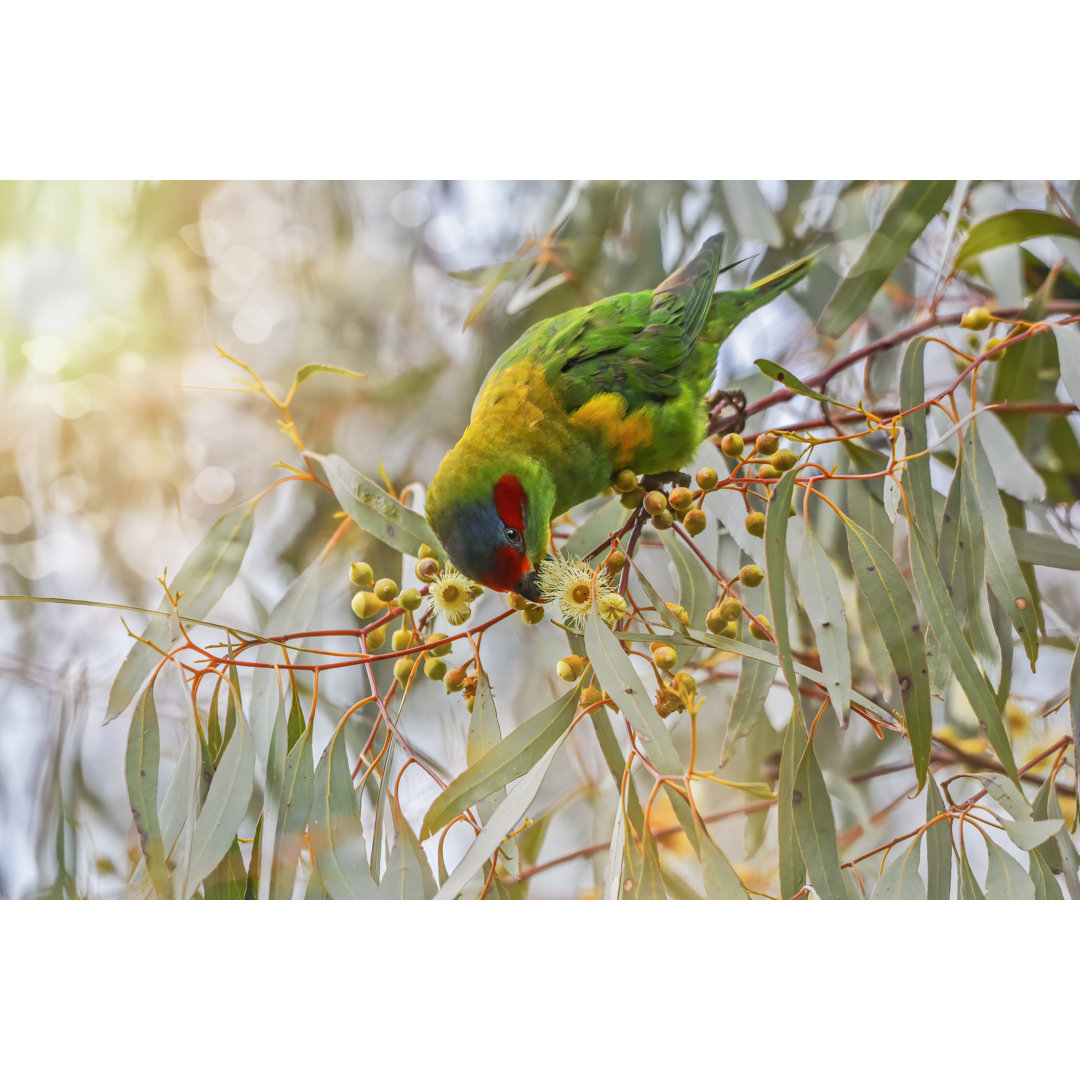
(510, 502)
(510, 567)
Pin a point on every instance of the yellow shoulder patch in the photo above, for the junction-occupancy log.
(624, 434)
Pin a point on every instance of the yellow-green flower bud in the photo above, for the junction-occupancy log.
(992, 344)
(614, 562)
(376, 638)
(624, 480)
(365, 604)
(707, 478)
(655, 502)
(533, 613)
(714, 621)
(976, 318)
(664, 657)
(386, 589)
(761, 628)
(664, 520)
(439, 650)
(426, 552)
(569, 668)
(768, 472)
(731, 609)
(679, 612)
(755, 523)
(694, 522)
(361, 575)
(403, 669)
(751, 576)
(783, 460)
(434, 669)
(402, 639)
(427, 570)
(632, 499)
(590, 695)
(685, 682)
(767, 443)
(732, 445)
(410, 599)
(680, 499)
(454, 680)
(730, 630)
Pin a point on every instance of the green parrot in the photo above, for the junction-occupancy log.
(619, 384)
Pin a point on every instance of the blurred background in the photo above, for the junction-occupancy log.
(123, 435)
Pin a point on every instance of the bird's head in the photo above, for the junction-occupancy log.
(495, 531)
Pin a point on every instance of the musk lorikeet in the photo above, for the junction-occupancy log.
(620, 384)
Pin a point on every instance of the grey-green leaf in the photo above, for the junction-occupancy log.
(294, 810)
(337, 837)
(816, 828)
(1014, 227)
(894, 611)
(512, 757)
(820, 594)
(206, 573)
(1027, 835)
(938, 846)
(950, 636)
(776, 526)
(901, 880)
(1006, 879)
(1046, 886)
(917, 202)
(143, 759)
(225, 806)
(792, 867)
(748, 705)
(375, 511)
(721, 880)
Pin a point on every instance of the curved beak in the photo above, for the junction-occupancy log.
(529, 586)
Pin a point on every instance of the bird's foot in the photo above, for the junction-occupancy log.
(720, 424)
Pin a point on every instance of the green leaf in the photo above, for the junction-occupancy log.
(620, 681)
(1007, 795)
(1043, 549)
(748, 705)
(337, 837)
(1030, 834)
(650, 884)
(1046, 886)
(1006, 879)
(947, 629)
(969, 887)
(307, 370)
(792, 867)
(485, 735)
(141, 771)
(721, 880)
(1040, 811)
(1070, 861)
(1013, 228)
(901, 880)
(408, 874)
(938, 846)
(816, 829)
(952, 556)
(776, 525)
(910, 211)
(501, 822)
(894, 611)
(512, 757)
(820, 595)
(917, 467)
(225, 806)
(781, 375)
(697, 587)
(613, 870)
(228, 880)
(375, 511)
(1002, 569)
(207, 572)
(297, 792)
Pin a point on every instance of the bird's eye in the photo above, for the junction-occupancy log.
(513, 536)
